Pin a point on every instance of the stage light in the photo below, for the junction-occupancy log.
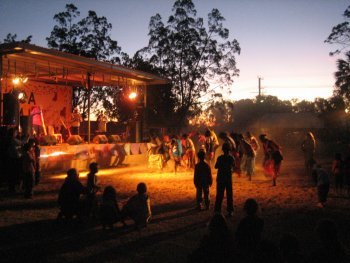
(15, 80)
(132, 95)
(21, 95)
(19, 80)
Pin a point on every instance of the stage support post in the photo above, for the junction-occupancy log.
(1, 101)
(88, 86)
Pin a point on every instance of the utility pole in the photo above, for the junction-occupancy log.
(259, 87)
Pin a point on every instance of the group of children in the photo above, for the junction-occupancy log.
(72, 206)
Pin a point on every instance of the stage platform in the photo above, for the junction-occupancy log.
(59, 158)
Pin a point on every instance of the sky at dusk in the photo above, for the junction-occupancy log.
(281, 40)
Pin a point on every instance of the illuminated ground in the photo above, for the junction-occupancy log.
(28, 229)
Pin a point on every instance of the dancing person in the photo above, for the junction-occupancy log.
(76, 119)
(225, 137)
(176, 150)
(202, 180)
(109, 210)
(248, 156)
(308, 147)
(225, 165)
(69, 196)
(189, 151)
(272, 157)
(255, 145)
(138, 207)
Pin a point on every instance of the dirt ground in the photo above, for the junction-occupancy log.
(29, 232)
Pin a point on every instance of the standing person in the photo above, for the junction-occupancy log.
(35, 142)
(337, 172)
(138, 207)
(92, 188)
(28, 168)
(69, 196)
(323, 183)
(189, 151)
(76, 119)
(14, 153)
(38, 123)
(202, 180)
(272, 157)
(255, 145)
(102, 122)
(225, 165)
(308, 147)
(228, 139)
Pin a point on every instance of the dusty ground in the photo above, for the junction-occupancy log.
(29, 232)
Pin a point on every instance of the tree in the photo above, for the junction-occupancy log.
(11, 38)
(191, 55)
(88, 37)
(342, 76)
(340, 34)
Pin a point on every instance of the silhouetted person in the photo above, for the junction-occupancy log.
(289, 249)
(92, 188)
(138, 207)
(216, 246)
(109, 210)
(225, 165)
(28, 168)
(322, 183)
(266, 252)
(337, 172)
(37, 150)
(249, 230)
(69, 196)
(14, 153)
(202, 180)
(308, 147)
(329, 248)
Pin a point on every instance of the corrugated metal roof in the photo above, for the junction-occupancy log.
(52, 66)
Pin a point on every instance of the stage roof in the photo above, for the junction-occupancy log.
(56, 67)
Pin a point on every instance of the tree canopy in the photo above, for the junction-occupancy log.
(193, 56)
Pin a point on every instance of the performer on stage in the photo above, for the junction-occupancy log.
(102, 122)
(37, 121)
(76, 119)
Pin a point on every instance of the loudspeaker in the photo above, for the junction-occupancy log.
(48, 140)
(11, 109)
(100, 139)
(74, 139)
(114, 138)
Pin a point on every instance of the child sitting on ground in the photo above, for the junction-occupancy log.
(138, 207)
(249, 230)
(109, 211)
(202, 180)
(69, 196)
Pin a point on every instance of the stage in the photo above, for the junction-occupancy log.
(59, 158)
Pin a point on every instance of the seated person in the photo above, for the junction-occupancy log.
(69, 196)
(138, 207)
(109, 211)
(249, 230)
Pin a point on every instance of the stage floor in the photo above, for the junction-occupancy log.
(59, 158)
